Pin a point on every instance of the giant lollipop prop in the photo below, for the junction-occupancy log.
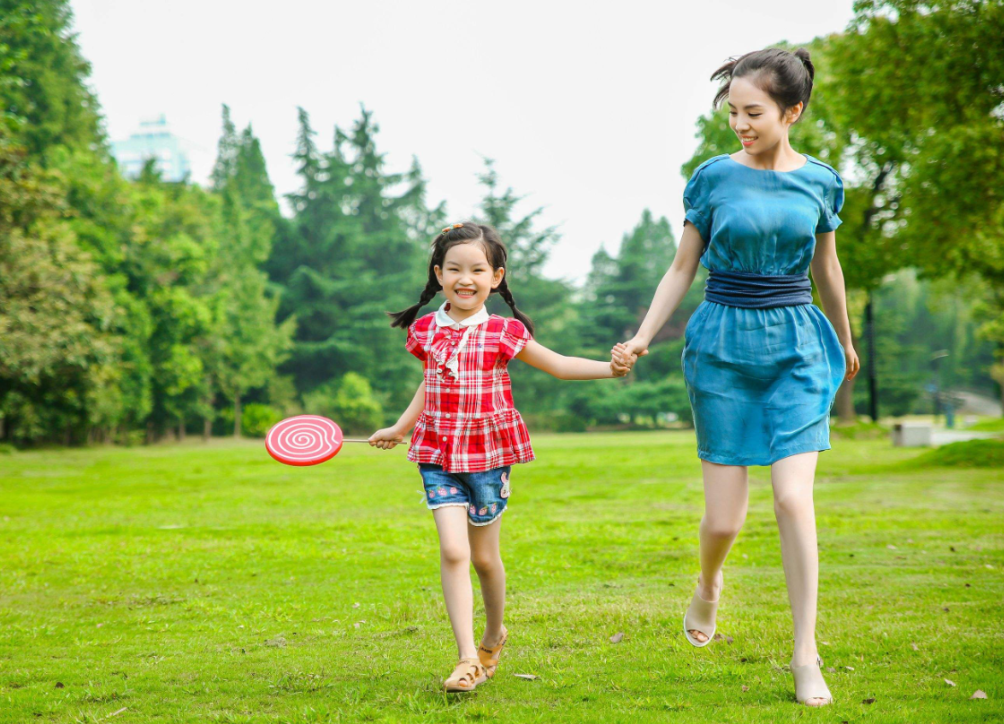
(305, 440)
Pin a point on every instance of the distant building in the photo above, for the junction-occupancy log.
(153, 140)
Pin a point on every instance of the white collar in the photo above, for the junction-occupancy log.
(445, 320)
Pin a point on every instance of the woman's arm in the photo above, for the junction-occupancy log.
(671, 290)
(388, 437)
(574, 368)
(829, 278)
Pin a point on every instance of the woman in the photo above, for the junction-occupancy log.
(762, 364)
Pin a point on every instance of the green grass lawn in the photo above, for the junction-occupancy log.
(197, 583)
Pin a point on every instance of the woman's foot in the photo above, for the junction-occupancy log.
(699, 621)
(810, 688)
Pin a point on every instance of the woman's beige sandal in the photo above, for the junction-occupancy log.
(467, 674)
(700, 616)
(490, 656)
(809, 683)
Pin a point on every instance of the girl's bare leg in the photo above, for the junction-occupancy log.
(455, 574)
(491, 573)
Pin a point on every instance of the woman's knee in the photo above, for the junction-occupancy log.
(722, 528)
(792, 503)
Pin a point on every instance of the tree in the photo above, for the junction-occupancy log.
(43, 93)
(353, 251)
(56, 350)
(246, 345)
(938, 158)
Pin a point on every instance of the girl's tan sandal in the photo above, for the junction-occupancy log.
(490, 656)
(467, 674)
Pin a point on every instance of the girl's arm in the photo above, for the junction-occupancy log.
(388, 437)
(574, 368)
(671, 290)
(829, 278)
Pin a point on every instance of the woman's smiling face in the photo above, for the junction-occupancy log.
(466, 277)
(756, 118)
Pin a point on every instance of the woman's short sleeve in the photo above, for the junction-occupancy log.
(696, 203)
(833, 201)
(414, 344)
(513, 339)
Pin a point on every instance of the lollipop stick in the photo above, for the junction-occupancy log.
(360, 439)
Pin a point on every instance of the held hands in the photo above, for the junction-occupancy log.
(621, 360)
(386, 438)
(636, 346)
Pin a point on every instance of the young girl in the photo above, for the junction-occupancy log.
(468, 434)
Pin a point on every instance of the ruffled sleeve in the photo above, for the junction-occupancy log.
(833, 201)
(415, 341)
(513, 339)
(697, 204)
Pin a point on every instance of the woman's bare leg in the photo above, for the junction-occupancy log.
(726, 497)
(792, 479)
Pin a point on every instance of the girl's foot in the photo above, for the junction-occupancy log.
(467, 674)
(699, 621)
(489, 654)
(810, 688)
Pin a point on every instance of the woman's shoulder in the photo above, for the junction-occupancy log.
(711, 166)
(824, 170)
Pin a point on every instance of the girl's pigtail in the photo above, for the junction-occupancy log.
(504, 292)
(405, 317)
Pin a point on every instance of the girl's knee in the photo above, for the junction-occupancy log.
(455, 555)
(486, 562)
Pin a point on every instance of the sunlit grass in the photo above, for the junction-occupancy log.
(209, 583)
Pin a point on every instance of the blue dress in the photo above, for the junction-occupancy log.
(761, 381)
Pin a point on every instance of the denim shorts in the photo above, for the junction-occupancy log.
(483, 494)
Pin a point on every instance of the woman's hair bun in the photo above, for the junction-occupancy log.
(803, 55)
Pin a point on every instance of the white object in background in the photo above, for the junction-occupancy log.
(911, 434)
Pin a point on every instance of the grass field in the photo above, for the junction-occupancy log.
(195, 583)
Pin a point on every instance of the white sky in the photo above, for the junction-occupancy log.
(588, 108)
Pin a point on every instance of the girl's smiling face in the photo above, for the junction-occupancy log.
(756, 118)
(467, 278)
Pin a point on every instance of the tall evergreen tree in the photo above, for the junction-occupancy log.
(246, 345)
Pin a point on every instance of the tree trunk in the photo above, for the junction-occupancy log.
(181, 430)
(845, 403)
(1, 427)
(207, 429)
(149, 432)
(237, 415)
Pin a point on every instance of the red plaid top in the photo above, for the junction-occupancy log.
(469, 423)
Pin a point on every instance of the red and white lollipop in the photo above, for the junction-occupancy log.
(305, 440)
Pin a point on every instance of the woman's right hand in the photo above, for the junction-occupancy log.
(386, 438)
(637, 346)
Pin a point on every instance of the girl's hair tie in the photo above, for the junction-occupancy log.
(449, 228)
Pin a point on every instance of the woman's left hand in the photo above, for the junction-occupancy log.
(853, 363)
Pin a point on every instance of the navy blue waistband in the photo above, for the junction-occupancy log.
(757, 291)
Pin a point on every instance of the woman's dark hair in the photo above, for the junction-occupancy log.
(786, 77)
(467, 233)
